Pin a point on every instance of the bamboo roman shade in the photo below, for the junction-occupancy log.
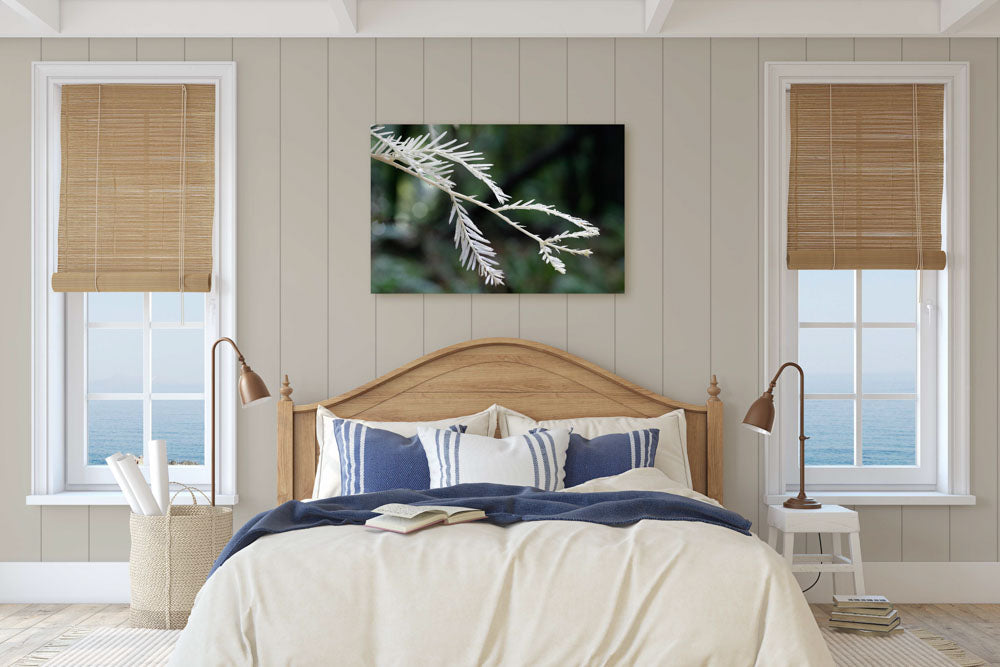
(137, 195)
(866, 176)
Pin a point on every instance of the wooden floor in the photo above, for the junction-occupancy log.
(26, 627)
(974, 627)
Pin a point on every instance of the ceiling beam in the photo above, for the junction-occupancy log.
(347, 14)
(957, 14)
(656, 14)
(44, 13)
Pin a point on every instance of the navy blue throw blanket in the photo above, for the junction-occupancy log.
(502, 503)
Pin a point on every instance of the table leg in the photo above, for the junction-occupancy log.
(788, 549)
(772, 537)
(854, 540)
(837, 551)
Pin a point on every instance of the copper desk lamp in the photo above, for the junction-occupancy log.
(760, 418)
(252, 390)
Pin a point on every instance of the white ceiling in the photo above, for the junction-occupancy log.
(497, 18)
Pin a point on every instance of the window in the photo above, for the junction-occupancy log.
(138, 360)
(112, 370)
(861, 339)
(885, 352)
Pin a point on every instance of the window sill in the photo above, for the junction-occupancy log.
(882, 498)
(113, 498)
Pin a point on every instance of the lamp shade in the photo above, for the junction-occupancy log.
(252, 387)
(760, 416)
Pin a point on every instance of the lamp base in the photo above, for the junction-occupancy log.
(802, 504)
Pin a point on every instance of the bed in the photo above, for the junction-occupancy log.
(546, 592)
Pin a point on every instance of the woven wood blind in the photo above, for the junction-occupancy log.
(866, 176)
(137, 193)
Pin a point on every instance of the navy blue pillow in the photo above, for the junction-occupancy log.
(610, 454)
(372, 459)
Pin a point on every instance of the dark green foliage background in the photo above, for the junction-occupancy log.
(579, 169)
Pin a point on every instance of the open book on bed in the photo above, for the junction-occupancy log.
(402, 518)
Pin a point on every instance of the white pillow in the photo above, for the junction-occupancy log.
(671, 452)
(535, 459)
(327, 482)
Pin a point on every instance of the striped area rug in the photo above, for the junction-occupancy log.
(915, 648)
(99, 647)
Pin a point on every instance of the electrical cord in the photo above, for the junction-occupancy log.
(818, 574)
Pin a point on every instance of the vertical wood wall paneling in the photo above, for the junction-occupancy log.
(923, 530)
(399, 99)
(21, 524)
(66, 534)
(447, 99)
(829, 48)
(779, 49)
(352, 305)
(687, 200)
(65, 530)
(304, 223)
(495, 99)
(160, 48)
(639, 312)
(258, 262)
(109, 538)
(735, 309)
(590, 99)
(934, 49)
(112, 49)
(543, 80)
(974, 529)
(74, 48)
(883, 49)
(213, 48)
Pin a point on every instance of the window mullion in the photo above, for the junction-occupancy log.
(858, 389)
(147, 374)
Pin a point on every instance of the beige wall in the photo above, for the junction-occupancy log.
(692, 112)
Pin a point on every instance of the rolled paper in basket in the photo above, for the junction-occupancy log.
(158, 474)
(147, 503)
(122, 482)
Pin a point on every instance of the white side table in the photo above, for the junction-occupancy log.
(832, 519)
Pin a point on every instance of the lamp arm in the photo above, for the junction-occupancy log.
(802, 394)
(240, 354)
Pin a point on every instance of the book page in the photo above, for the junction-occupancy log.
(450, 511)
(406, 511)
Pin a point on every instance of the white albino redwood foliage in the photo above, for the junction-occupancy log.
(432, 159)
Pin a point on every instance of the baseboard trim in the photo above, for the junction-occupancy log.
(53, 582)
(56, 582)
(958, 582)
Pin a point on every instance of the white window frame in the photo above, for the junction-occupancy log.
(946, 311)
(50, 384)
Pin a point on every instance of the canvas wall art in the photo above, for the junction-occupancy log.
(498, 209)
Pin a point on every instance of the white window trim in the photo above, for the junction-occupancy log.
(952, 485)
(48, 309)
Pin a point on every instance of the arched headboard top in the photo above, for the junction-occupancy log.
(535, 379)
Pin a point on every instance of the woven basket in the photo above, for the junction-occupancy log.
(170, 559)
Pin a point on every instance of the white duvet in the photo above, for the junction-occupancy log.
(538, 593)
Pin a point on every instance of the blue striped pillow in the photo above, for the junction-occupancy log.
(610, 454)
(372, 459)
(534, 459)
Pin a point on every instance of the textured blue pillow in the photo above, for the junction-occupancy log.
(610, 454)
(372, 459)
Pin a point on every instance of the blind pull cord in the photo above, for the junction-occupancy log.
(916, 183)
(833, 205)
(180, 243)
(97, 187)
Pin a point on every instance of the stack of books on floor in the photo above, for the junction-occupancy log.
(864, 613)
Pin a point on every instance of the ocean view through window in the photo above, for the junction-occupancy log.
(858, 343)
(145, 374)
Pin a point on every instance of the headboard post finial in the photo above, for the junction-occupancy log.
(713, 389)
(286, 389)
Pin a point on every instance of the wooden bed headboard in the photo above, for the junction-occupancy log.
(538, 380)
